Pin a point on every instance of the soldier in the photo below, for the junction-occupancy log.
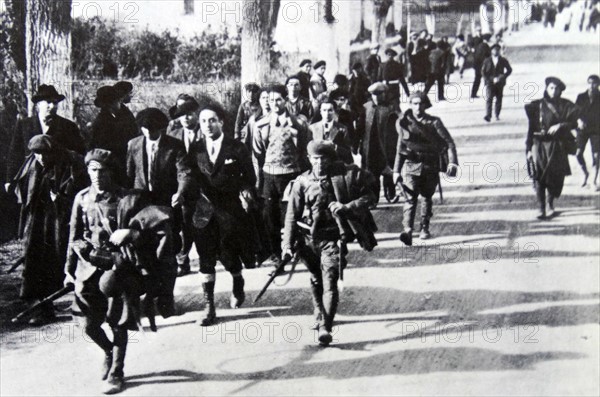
(391, 73)
(332, 194)
(222, 168)
(373, 63)
(46, 186)
(549, 141)
(114, 237)
(423, 140)
(588, 126)
(377, 138)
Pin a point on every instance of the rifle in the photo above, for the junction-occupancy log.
(50, 298)
(343, 246)
(441, 193)
(16, 264)
(284, 261)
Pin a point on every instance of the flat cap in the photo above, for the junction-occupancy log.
(319, 64)
(422, 96)
(41, 143)
(184, 105)
(377, 88)
(321, 148)
(496, 46)
(391, 51)
(555, 80)
(152, 118)
(102, 156)
(106, 95)
(304, 62)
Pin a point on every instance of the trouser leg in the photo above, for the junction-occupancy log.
(119, 350)
(540, 190)
(489, 98)
(330, 257)
(499, 95)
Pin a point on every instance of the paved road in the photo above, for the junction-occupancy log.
(497, 303)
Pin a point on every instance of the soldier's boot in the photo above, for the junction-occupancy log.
(425, 234)
(316, 288)
(97, 334)
(237, 296)
(330, 304)
(210, 315)
(115, 382)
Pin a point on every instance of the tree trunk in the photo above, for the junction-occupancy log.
(380, 12)
(188, 7)
(48, 49)
(258, 26)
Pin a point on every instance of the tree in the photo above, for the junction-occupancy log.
(48, 48)
(258, 26)
(380, 11)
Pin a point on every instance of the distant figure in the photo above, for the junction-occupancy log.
(359, 85)
(391, 73)
(588, 126)
(373, 62)
(247, 108)
(304, 77)
(482, 52)
(495, 71)
(437, 70)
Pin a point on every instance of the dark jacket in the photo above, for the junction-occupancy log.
(64, 131)
(437, 62)
(589, 111)
(359, 93)
(393, 71)
(482, 51)
(338, 134)
(304, 84)
(178, 131)
(245, 111)
(501, 70)
(302, 107)
(169, 153)
(377, 149)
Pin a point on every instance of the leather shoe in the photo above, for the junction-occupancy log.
(325, 337)
(183, 271)
(209, 319)
(487, 118)
(406, 237)
(113, 385)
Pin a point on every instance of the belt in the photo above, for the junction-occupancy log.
(543, 136)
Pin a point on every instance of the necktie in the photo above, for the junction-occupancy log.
(277, 123)
(153, 148)
(327, 128)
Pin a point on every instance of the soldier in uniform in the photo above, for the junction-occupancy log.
(336, 198)
(423, 139)
(549, 141)
(114, 239)
(392, 74)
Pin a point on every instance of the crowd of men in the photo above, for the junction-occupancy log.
(296, 175)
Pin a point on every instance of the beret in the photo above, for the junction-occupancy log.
(422, 96)
(152, 118)
(184, 105)
(304, 62)
(391, 51)
(338, 93)
(100, 155)
(41, 143)
(555, 80)
(377, 88)
(321, 148)
(319, 64)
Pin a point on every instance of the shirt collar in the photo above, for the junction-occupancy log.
(217, 141)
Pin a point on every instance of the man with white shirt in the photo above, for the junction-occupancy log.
(279, 156)
(495, 71)
(187, 130)
(329, 129)
(46, 121)
(296, 104)
(221, 168)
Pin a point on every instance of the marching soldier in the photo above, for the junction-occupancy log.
(423, 139)
(336, 198)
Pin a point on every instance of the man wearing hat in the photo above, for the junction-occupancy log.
(344, 112)
(359, 85)
(187, 130)
(112, 129)
(46, 121)
(152, 161)
(549, 142)
(392, 75)
(127, 119)
(45, 187)
(318, 83)
(114, 235)
(376, 138)
(304, 76)
(327, 204)
(495, 71)
(279, 156)
(221, 168)
(588, 126)
(437, 69)
(481, 53)
(423, 140)
(373, 62)
(247, 108)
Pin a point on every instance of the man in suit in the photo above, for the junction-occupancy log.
(359, 84)
(495, 71)
(324, 200)
(392, 75)
(376, 138)
(344, 112)
(152, 161)
(588, 126)
(481, 53)
(186, 130)
(46, 121)
(222, 168)
(329, 129)
(296, 104)
(111, 131)
(437, 69)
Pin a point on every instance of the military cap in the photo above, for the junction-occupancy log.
(47, 93)
(321, 148)
(422, 96)
(106, 95)
(184, 105)
(319, 64)
(123, 87)
(555, 80)
(377, 88)
(152, 118)
(304, 62)
(391, 52)
(41, 143)
(101, 156)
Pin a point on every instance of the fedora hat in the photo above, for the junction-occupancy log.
(47, 93)
(185, 104)
(106, 95)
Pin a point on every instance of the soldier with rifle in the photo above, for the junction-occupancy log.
(332, 200)
(424, 150)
